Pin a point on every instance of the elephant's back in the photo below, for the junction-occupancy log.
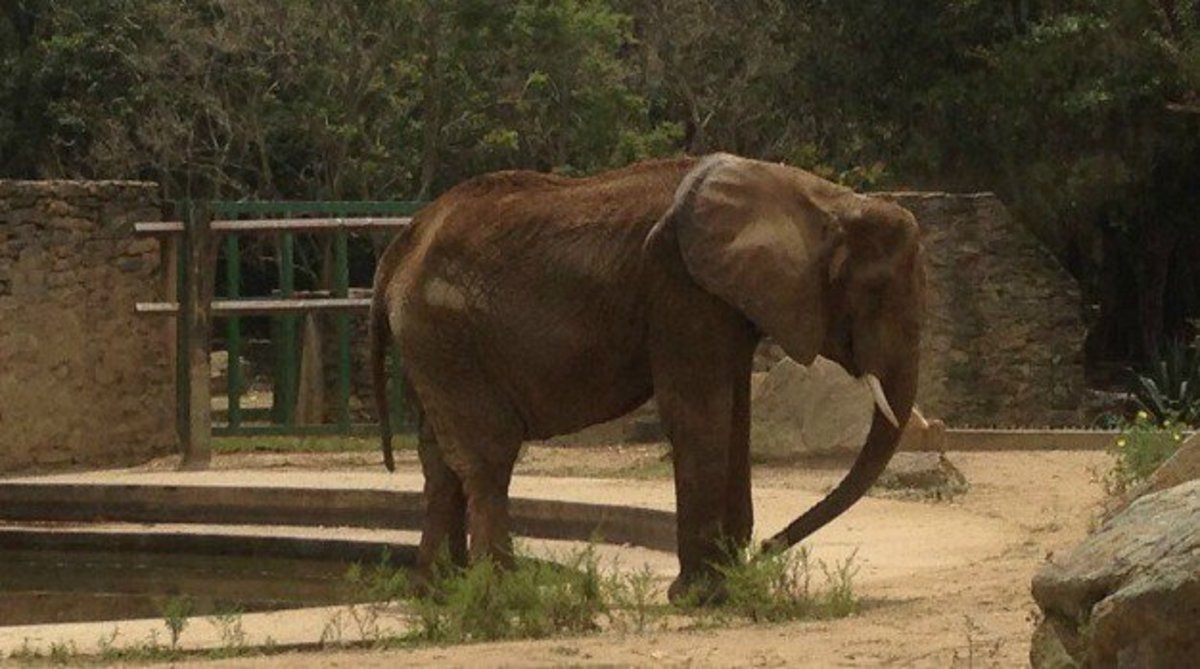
(536, 282)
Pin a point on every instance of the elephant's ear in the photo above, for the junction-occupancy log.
(752, 234)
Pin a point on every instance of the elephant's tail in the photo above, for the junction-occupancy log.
(380, 334)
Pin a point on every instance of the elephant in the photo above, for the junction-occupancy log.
(526, 305)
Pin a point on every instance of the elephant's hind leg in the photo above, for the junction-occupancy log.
(479, 438)
(484, 464)
(445, 507)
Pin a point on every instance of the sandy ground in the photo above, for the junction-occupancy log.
(946, 583)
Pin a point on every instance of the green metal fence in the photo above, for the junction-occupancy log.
(194, 248)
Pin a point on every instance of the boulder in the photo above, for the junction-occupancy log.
(813, 410)
(1129, 595)
(218, 373)
(927, 473)
(821, 410)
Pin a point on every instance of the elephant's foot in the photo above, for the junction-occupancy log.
(705, 589)
(422, 584)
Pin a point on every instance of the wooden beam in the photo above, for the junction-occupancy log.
(196, 320)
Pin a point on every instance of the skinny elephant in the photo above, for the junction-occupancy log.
(528, 305)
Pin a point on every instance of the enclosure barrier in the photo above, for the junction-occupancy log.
(191, 259)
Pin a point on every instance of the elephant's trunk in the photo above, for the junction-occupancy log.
(900, 389)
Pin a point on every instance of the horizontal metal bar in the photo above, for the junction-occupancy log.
(336, 208)
(251, 307)
(159, 228)
(308, 224)
(272, 225)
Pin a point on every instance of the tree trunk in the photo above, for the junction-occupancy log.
(1159, 241)
(432, 101)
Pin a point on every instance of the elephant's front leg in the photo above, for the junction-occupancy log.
(700, 391)
(739, 507)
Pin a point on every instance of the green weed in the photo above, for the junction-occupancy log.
(776, 587)
(233, 636)
(536, 600)
(1141, 447)
(176, 616)
(572, 594)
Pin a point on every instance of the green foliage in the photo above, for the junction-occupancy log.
(1140, 448)
(233, 635)
(537, 600)
(176, 615)
(573, 594)
(1169, 387)
(1083, 116)
(777, 587)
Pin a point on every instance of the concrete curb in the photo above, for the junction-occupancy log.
(374, 509)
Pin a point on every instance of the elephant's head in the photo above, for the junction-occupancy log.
(821, 270)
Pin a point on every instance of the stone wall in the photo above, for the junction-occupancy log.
(83, 379)
(1004, 333)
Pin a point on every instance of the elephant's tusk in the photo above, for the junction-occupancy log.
(881, 400)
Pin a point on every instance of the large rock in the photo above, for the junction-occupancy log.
(821, 410)
(813, 410)
(795, 411)
(1129, 595)
(926, 474)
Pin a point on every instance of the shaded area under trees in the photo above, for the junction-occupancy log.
(1084, 115)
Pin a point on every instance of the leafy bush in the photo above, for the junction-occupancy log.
(1169, 388)
(1139, 450)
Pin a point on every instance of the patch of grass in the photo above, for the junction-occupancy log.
(1141, 447)
(314, 444)
(233, 636)
(778, 587)
(534, 601)
(637, 596)
(573, 595)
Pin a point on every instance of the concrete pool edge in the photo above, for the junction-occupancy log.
(30, 511)
(24, 502)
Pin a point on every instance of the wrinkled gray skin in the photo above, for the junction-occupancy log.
(527, 305)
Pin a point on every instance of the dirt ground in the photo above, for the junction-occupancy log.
(957, 597)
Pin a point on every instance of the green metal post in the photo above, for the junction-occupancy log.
(286, 387)
(341, 288)
(233, 348)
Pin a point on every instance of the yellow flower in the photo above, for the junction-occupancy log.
(1166, 423)
(1142, 415)
(1121, 443)
(1178, 436)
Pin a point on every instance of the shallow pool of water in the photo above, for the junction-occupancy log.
(47, 586)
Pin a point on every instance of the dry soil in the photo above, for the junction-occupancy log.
(947, 582)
